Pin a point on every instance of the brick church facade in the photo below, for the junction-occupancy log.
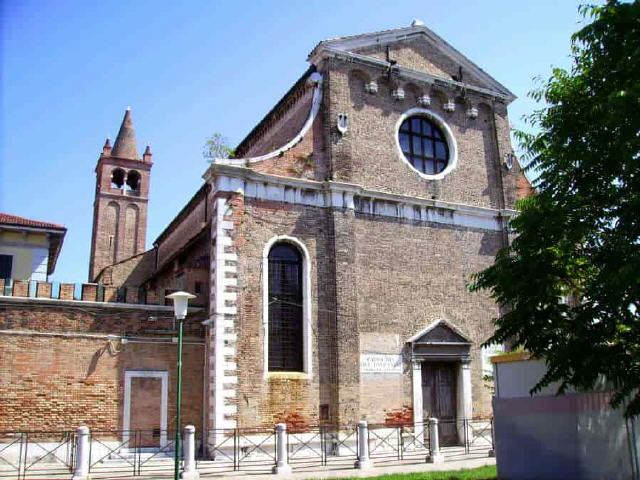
(331, 255)
(384, 168)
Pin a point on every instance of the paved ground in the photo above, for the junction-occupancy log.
(378, 469)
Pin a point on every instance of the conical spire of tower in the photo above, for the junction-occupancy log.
(125, 144)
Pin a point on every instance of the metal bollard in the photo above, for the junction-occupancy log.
(82, 455)
(282, 466)
(434, 443)
(190, 472)
(363, 462)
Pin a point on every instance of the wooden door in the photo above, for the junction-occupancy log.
(439, 398)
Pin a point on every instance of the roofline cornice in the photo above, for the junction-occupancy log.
(184, 211)
(20, 228)
(121, 161)
(386, 37)
(323, 52)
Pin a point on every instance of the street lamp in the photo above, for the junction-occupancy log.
(180, 305)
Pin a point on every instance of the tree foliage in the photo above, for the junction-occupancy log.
(578, 237)
(217, 146)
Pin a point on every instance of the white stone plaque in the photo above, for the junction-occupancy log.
(380, 363)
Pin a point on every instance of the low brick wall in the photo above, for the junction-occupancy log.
(89, 292)
(63, 365)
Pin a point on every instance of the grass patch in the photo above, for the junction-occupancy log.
(483, 473)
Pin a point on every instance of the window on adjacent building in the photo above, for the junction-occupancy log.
(285, 309)
(6, 265)
(424, 145)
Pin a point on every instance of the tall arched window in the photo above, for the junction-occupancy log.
(285, 298)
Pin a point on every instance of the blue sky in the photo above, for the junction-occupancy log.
(191, 68)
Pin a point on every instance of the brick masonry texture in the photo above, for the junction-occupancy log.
(368, 155)
(418, 54)
(280, 395)
(190, 224)
(119, 216)
(307, 159)
(189, 270)
(410, 275)
(389, 281)
(132, 271)
(64, 377)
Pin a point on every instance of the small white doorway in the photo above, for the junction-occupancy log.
(146, 395)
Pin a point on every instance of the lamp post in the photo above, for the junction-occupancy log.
(180, 305)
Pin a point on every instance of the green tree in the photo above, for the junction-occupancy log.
(578, 237)
(217, 146)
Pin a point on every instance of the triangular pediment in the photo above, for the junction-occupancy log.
(440, 331)
(420, 54)
(416, 48)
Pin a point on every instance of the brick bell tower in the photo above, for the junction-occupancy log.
(120, 205)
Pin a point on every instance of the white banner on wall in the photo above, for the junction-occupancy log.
(380, 363)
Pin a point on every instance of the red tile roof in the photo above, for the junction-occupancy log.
(55, 238)
(6, 219)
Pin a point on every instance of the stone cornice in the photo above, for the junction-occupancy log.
(121, 196)
(329, 194)
(89, 304)
(136, 164)
(405, 73)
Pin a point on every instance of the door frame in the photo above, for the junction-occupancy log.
(464, 400)
(164, 400)
(438, 342)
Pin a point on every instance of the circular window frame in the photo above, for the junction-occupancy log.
(448, 134)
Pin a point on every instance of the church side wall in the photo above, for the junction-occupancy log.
(268, 398)
(192, 222)
(131, 272)
(305, 160)
(190, 273)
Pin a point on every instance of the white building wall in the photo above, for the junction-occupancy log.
(29, 261)
(548, 437)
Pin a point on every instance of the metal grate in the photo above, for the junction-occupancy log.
(285, 309)
(424, 145)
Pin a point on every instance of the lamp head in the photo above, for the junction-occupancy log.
(180, 303)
